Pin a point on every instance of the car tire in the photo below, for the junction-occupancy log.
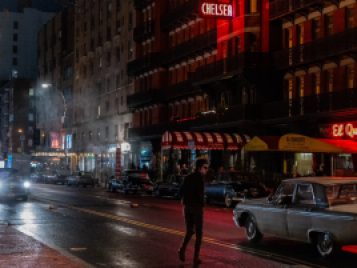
(326, 245)
(228, 201)
(252, 232)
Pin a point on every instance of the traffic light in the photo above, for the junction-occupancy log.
(37, 137)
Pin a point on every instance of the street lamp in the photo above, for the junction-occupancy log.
(47, 86)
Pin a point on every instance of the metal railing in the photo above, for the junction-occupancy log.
(317, 50)
(203, 42)
(177, 14)
(312, 105)
(281, 8)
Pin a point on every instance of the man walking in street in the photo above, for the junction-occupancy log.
(192, 193)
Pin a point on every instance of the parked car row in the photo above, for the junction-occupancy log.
(78, 179)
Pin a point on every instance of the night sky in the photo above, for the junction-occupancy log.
(44, 5)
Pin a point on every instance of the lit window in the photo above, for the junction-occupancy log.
(350, 75)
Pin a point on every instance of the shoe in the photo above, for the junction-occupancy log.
(181, 255)
(197, 261)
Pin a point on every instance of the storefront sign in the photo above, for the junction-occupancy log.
(344, 130)
(223, 10)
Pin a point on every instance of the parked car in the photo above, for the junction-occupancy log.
(50, 177)
(13, 186)
(132, 182)
(317, 210)
(229, 193)
(81, 179)
(169, 188)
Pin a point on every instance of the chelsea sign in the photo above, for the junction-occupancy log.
(218, 10)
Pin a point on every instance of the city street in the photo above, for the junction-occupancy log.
(113, 230)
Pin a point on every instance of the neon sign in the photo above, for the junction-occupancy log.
(342, 130)
(223, 10)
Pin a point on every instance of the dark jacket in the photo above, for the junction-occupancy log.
(192, 190)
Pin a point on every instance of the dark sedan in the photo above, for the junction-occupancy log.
(169, 188)
(131, 185)
(228, 193)
(13, 186)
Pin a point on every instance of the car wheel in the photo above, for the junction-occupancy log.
(228, 201)
(325, 245)
(252, 232)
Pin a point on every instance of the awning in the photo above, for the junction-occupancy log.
(300, 144)
(262, 144)
(203, 140)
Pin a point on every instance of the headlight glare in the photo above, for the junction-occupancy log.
(27, 184)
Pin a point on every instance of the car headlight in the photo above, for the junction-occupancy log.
(27, 184)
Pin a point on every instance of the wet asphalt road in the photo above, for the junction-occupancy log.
(113, 230)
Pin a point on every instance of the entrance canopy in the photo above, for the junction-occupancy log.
(203, 141)
(300, 144)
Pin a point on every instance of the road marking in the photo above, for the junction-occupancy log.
(208, 240)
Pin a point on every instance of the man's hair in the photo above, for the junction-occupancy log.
(200, 163)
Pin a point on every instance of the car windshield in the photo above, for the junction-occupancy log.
(342, 194)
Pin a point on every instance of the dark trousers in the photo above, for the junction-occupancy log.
(194, 225)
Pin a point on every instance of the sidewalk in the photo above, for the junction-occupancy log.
(20, 250)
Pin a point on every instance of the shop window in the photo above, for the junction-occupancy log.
(350, 75)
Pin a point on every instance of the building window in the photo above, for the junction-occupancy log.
(300, 87)
(98, 133)
(316, 26)
(288, 38)
(300, 34)
(350, 76)
(328, 24)
(14, 37)
(109, 58)
(16, 25)
(98, 111)
(107, 106)
(329, 80)
(315, 83)
(122, 100)
(350, 19)
(90, 135)
(106, 132)
(116, 136)
(14, 61)
(31, 92)
(251, 6)
(14, 49)
(31, 117)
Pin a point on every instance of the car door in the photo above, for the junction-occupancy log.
(272, 216)
(299, 217)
